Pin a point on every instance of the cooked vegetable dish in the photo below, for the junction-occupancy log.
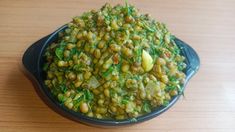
(114, 63)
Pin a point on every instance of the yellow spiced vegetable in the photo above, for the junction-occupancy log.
(114, 63)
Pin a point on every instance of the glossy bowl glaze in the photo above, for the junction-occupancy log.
(33, 61)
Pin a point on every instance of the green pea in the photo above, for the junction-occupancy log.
(84, 107)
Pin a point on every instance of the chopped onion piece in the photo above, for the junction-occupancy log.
(93, 82)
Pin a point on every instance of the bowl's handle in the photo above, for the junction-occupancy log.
(31, 55)
(191, 58)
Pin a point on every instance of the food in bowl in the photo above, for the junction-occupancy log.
(114, 63)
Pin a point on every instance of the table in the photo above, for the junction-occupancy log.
(207, 25)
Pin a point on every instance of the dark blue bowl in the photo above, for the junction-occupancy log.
(33, 61)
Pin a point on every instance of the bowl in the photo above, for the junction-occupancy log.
(33, 61)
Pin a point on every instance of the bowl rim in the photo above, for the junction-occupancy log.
(47, 97)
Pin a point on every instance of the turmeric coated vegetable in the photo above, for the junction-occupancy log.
(114, 63)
